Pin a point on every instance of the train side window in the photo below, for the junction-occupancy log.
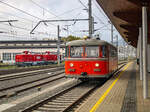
(104, 51)
(77, 52)
(66, 51)
(113, 52)
(92, 51)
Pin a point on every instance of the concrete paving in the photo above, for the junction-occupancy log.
(123, 95)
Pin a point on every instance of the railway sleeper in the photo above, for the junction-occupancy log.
(54, 106)
(58, 101)
(37, 111)
(67, 99)
(50, 109)
(71, 97)
(55, 103)
(74, 92)
(70, 94)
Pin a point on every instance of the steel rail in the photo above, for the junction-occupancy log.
(30, 85)
(26, 74)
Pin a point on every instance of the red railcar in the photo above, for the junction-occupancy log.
(90, 59)
(24, 59)
(49, 57)
(37, 59)
(28, 58)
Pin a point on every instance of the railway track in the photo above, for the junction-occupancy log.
(25, 69)
(66, 100)
(26, 74)
(14, 90)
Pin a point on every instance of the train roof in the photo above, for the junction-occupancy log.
(88, 42)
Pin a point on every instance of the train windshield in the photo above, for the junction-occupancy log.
(76, 52)
(92, 51)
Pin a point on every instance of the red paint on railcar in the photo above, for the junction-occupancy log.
(24, 59)
(90, 59)
(86, 66)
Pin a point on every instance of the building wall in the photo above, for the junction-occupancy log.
(8, 55)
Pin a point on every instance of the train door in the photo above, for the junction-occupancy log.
(110, 60)
(108, 56)
(105, 57)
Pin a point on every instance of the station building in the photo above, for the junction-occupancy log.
(9, 49)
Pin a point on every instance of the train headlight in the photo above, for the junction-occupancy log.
(97, 65)
(71, 65)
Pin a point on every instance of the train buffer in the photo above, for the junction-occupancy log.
(122, 93)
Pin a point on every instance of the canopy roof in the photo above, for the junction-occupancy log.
(126, 16)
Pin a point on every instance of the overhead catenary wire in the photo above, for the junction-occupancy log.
(101, 21)
(21, 28)
(101, 28)
(58, 16)
(25, 29)
(2, 12)
(22, 11)
(44, 8)
(99, 9)
(82, 4)
(67, 12)
(93, 13)
(25, 12)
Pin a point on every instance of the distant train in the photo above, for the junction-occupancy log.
(28, 58)
(88, 59)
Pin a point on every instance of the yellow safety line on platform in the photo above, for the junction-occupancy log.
(94, 108)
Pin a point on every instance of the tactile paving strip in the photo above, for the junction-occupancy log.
(129, 103)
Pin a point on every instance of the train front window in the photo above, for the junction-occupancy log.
(92, 51)
(77, 52)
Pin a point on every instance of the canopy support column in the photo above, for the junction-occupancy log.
(140, 53)
(145, 35)
(58, 46)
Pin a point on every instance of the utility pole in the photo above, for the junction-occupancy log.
(111, 33)
(58, 45)
(90, 19)
(117, 42)
(124, 50)
(67, 30)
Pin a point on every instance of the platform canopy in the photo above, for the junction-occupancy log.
(126, 16)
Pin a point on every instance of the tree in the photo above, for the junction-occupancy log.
(70, 38)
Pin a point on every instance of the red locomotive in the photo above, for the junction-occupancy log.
(90, 59)
(28, 58)
(50, 57)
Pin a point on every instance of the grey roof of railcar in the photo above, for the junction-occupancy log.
(89, 42)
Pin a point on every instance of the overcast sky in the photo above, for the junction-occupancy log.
(29, 12)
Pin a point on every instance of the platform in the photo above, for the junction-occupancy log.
(122, 93)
